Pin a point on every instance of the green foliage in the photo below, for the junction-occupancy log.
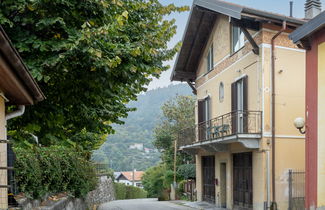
(138, 128)
(120, 191)
(53, 169)
(187, 171)
(123, 191)
(153, 181)
(90, 58)
(178, 113)
(133, 192)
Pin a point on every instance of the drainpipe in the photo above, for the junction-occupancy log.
(19, 112)
(284, 26)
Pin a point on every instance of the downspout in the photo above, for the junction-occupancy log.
(284, 26)
(19, 112)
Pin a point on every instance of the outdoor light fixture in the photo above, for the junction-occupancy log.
(300, 124)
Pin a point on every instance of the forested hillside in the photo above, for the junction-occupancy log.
(138, 129)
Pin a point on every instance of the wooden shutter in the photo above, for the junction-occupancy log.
(208, 108)
(245, 101)
(201, 112)
(234, 105)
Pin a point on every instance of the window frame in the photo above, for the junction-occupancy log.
(240, 39)
(210, 62)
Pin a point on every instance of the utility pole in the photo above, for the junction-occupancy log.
(175, 159)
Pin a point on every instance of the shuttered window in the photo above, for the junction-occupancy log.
(204, 110)
(210, 59)
(239, 105)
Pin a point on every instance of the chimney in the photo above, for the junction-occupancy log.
(312, 8)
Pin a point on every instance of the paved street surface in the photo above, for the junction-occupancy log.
(142, 204)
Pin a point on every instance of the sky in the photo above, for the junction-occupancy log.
(277, 6)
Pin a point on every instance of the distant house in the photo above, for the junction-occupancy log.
(17, 87)
(311, 36)
(138, 146)
(130, 178)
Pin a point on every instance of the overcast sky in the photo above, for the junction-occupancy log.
(277, 6)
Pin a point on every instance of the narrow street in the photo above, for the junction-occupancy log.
(141, 204)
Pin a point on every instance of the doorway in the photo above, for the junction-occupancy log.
(243, 181)
(208, 174)
(223, 185)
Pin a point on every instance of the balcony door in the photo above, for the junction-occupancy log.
(203, 118)
(239, 105)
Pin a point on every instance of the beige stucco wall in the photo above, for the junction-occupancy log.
(290, 94)
(321, 127)
(3, 156)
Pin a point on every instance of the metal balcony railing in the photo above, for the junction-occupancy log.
(233, 123)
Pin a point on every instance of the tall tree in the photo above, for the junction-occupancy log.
(178, 114)
(90, 57)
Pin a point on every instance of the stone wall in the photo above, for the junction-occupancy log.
(102, 194)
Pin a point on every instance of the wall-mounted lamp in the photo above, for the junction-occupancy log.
(300, 124)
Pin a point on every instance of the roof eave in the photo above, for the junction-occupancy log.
(20, 69)
(308, 28)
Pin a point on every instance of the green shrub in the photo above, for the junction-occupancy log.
(120, 191)
(135, 192)
(54, 169)
(123, 191)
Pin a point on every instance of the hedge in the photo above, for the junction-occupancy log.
(123, 191)
(46, 170)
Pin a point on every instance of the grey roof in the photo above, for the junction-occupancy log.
(308, 28)
(200, 23)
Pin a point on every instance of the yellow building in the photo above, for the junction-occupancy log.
(17, 87)
(247, 98)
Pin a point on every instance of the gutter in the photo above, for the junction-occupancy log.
(284, 27)
(19, 112)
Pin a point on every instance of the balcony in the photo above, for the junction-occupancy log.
(243, 127)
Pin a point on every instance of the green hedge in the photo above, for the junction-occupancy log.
(123, 191)
(55, 169)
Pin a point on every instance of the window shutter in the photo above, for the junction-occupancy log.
(245, 98)
(245, 94)
(234, 107)
(201, 112)
(234, 97)
(208, 108)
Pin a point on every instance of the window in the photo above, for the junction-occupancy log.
(238, 38)
(221, 92)
(210, 59)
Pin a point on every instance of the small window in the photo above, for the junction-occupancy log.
(221, 92)
(210, 59)
(238, 38)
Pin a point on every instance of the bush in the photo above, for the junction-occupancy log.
(120, 191)
(46, 170)
(123, 191)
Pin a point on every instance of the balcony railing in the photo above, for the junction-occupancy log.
(230, 124)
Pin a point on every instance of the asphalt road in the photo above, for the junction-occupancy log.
(141, 204)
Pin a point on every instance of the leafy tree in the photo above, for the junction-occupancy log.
(178, 114)
(153, 180)
(90, 58)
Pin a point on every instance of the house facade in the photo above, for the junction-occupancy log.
(311, 36)
(17, 87)
(249, 80)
